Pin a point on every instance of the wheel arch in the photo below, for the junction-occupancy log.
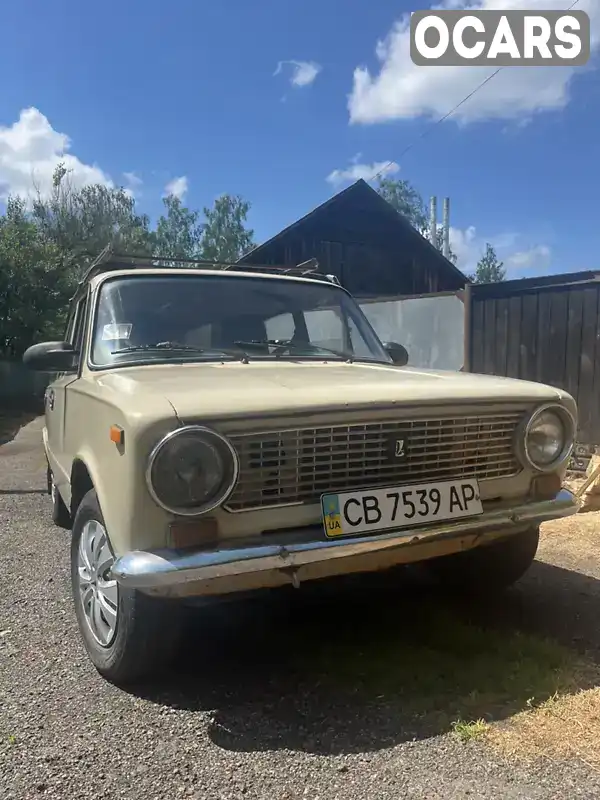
(88, 472)
(81, 482)
(85, 476)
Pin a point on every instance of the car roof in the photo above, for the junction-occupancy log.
(230, 273)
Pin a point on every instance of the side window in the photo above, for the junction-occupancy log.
(325, 328)
(280, 327)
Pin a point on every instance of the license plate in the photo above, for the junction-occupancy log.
(371, 510)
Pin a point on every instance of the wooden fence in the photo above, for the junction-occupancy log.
(541, 329)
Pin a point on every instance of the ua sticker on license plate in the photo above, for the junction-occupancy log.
(373, 510)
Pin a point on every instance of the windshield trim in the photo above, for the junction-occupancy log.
(197, 358)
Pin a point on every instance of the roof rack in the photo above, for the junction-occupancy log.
(108, 261)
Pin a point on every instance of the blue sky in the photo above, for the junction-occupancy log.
(145, 93)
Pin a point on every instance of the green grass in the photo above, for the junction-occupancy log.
(467, 731)
(438, 667)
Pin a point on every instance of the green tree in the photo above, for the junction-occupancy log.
(407, 201)
(440, 245)
(35, 282)
(489, 269)
(81, 222)
(178, 232)
(225, 236)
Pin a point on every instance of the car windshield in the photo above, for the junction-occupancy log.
(162, 318)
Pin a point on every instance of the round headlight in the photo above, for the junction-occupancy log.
(549, 437)
(192, 470)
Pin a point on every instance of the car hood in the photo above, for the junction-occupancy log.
(234, 389)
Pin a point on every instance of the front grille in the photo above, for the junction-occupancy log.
(297, 466)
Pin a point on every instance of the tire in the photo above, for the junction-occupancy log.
(60, 513)
(487, 569)
(141, 633)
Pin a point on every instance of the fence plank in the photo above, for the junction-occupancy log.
(489, 314)
(528, 336)
(555, 357)
(573, 345)
(514, 337)
(595, 393)
(501, 335)
(477, 336)
(543, 329)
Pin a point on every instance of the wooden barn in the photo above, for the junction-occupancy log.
(360, 238)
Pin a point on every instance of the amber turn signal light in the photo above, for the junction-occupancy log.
(117, 434)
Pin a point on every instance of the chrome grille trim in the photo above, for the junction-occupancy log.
(291, 467)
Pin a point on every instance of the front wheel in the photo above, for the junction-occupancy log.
(489, 568)
(128, 635)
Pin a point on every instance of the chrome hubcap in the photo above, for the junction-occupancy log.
(98, 594)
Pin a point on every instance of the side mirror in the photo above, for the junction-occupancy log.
(397, 352)
(51, 357)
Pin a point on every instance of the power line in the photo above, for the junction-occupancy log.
(429, 130)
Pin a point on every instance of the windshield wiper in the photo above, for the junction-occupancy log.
(177, 347)
(288, 345)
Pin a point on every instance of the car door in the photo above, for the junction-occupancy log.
(56, 401)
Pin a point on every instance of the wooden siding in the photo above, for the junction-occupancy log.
(360, 239)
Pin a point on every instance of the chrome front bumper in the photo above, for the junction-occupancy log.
(277, 559)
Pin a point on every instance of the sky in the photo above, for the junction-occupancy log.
(286, 103)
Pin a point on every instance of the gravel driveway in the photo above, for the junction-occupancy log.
(241, 716)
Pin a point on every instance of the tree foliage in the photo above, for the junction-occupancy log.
(36, 281)
(178, 231)
(225, 236)
(407, 201)
(489, 269)
(440, 245)
(44, 248)
(81, 222)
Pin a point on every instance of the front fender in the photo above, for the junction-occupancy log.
(85, 459)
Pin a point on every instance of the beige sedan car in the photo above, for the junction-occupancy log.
(215, 431)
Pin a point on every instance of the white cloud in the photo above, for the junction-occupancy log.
(466, 247)
(402, 90)
(133, 184)
(520, 258)
(177, 187)
(303, 72)
(357, 170)
(535, 259)
(30, 150)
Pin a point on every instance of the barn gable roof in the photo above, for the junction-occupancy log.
(361, 193)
